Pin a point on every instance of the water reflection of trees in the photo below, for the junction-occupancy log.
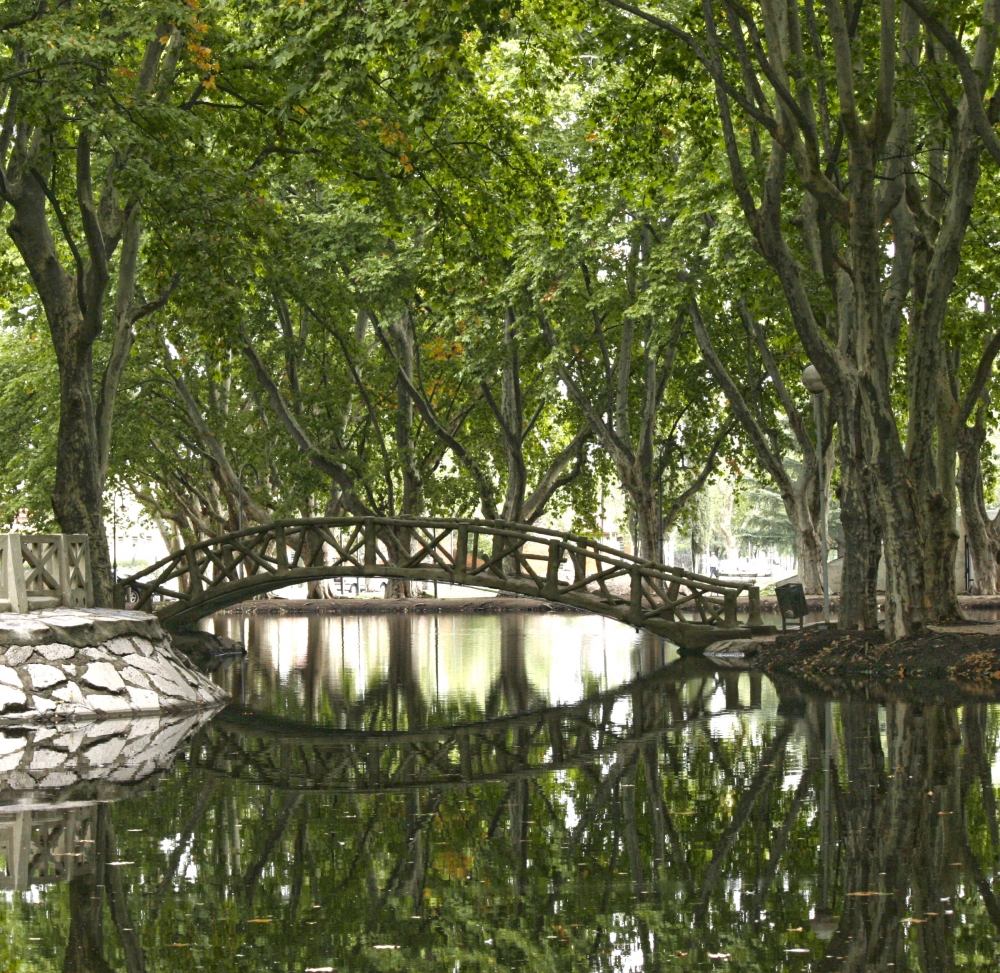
(320, 687)
(865, 835)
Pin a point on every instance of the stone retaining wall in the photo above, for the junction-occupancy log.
(70, 664)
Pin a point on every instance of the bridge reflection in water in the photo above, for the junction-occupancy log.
(690, 811)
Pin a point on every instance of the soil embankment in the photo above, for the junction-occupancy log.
(966, 654)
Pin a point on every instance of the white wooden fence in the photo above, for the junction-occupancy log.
(44, 571)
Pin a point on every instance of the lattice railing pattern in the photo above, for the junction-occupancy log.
(41, 846)
(44, 571)
(515, 558)
(282, 753)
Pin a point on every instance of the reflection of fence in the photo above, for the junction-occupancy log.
(40, 846)
(297, 756)
(518, 558)
(44, 571)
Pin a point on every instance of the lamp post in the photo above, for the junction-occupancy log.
(814, 383)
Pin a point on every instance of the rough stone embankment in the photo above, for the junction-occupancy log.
(71, 664)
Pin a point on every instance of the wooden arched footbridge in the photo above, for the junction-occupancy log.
(686, 608)
(291, 755)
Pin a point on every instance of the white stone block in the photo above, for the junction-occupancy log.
(20, 781)
(17, 655)
(109, 704)
(70, 741)
(106, 752)
(59, 779)
(70, 693)
(43, 676)
(103, 675)
(135, 676)
(11, 700)
(152, 666)
(11, 744)
(146, 726)
(46, 759)
(107, 728)
(119, 646)
(43, 705)
(173, 687)
(143, 700)
(56, 653)
(10, 762)
(9, 677)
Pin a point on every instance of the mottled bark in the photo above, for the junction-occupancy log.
(74, 299)
(800, 496)
(982, 531)
(847, 308)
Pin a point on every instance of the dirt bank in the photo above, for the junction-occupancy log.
(969, 655)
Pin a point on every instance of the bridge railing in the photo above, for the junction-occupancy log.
(518, 558)
(44, 571)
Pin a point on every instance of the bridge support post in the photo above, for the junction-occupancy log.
(194, 576)
(730, 608)
(371, 543)
(551, 589)
(281, 549)
(461, 555)
(672, 592)
(12, 580)
(635, 599)
(753, 595)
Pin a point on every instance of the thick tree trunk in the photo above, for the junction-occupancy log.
(85, 943)
(512, 418)
(647, 526)
(77, 497)
(860, 523)
(809, 555)
(982, 533)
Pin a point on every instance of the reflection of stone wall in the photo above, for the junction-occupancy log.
(81, 664)
(99, 760)
(51, 778)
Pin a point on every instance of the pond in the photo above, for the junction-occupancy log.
(516, 792)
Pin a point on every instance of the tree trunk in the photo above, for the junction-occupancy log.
(76, 497)
(512, 416)
(85, 943)
(862, 554)
(647, 522)
(982, 533)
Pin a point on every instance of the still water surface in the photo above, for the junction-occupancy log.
(536, 792)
